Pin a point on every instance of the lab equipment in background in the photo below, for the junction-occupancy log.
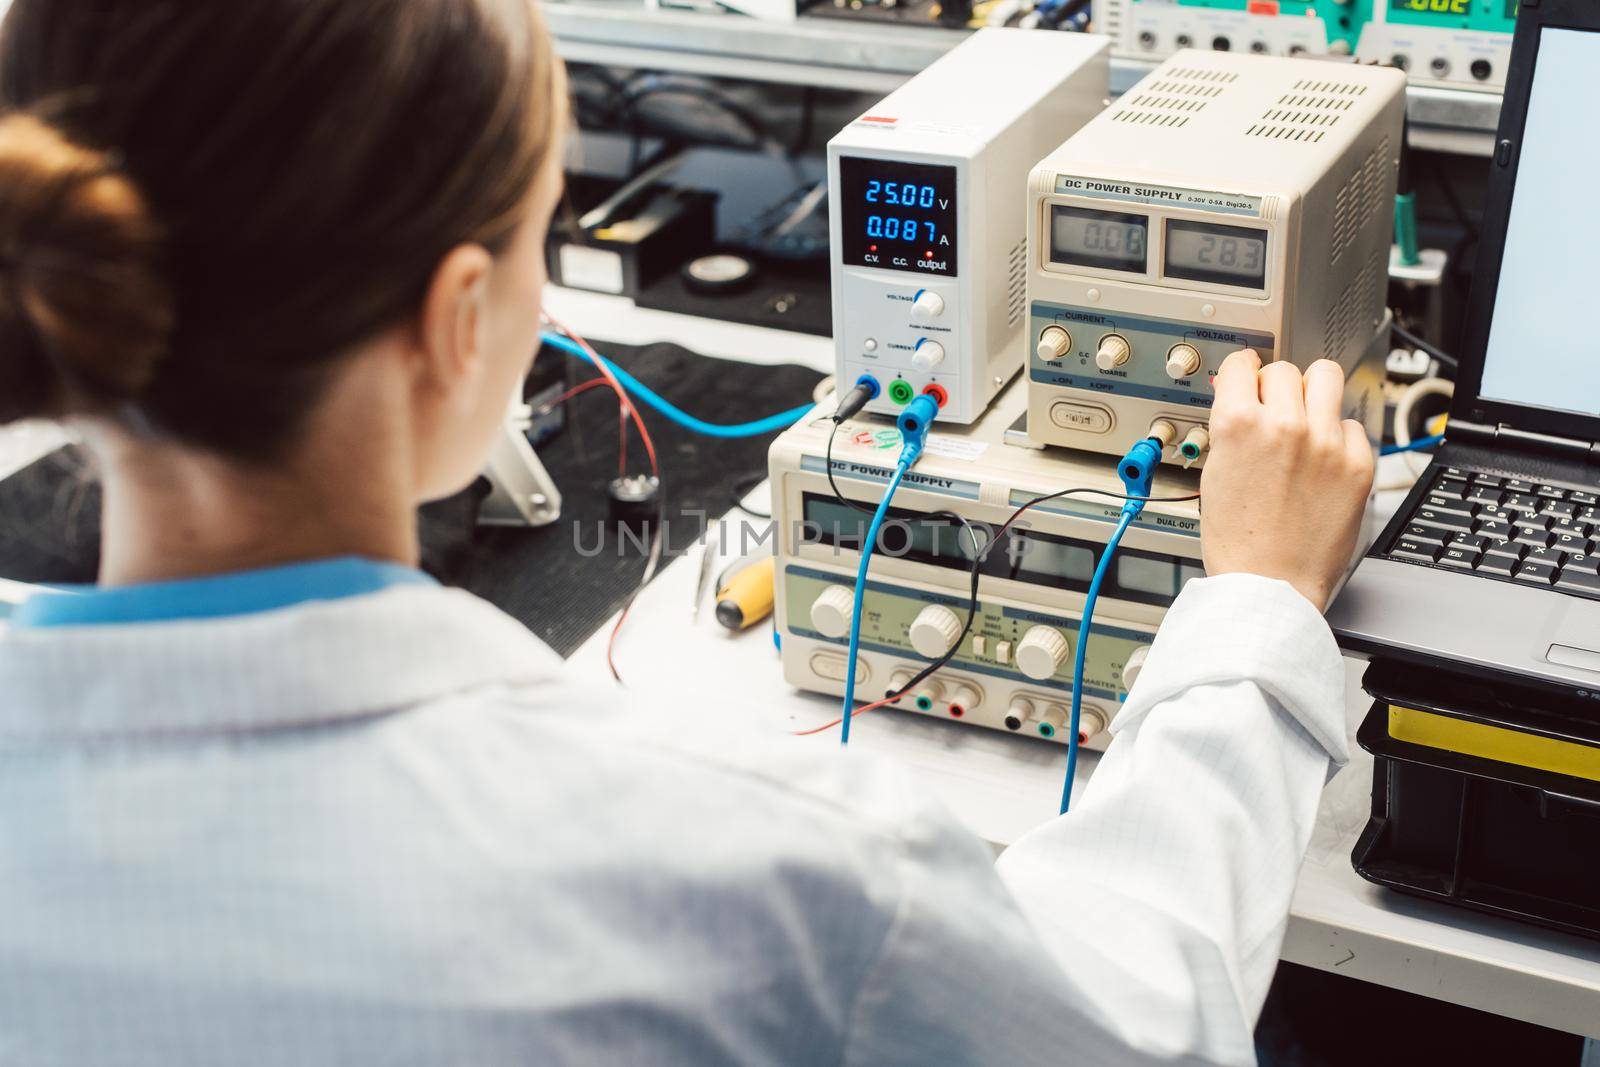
(1013, 669)
(1486, 794)
(928, 245)
(1466, 43)
(629, 233)
(1224, 202)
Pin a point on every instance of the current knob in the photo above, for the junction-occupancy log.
(927, 355)
(935, 631)
(1054, 343)
(926, 306)
(830, 612)
(1183, 361)
(1113, 352)
(1041, 652)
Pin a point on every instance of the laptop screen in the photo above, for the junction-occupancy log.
(1543, 349)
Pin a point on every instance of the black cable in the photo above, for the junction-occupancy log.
(1433, 350)
(979, 556)
(827, 465)
(741, 489)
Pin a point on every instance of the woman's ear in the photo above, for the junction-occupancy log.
(450, 333)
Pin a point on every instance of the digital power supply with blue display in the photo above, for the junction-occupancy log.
(927, 229)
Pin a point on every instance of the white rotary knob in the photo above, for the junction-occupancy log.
(1183, 361)
(1041, 652)
(926, 306)
(830, 612)
(1054, 343)
(1113, 352)
(1135, 664)
(927, 355)
(935, 631)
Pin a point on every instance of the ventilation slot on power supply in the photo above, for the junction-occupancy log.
(1177, 94)
(1307, 111)
(1360, 199)
(1017, 284)
(1347, 314)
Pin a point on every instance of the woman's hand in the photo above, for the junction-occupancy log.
(1287, 479)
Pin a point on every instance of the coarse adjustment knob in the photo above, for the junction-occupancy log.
(1041, 652)
(935, 631)
(926, 306)
(1113, 352)
(1054, 343)
(1183, 361)
(927, 355)
(830, 612)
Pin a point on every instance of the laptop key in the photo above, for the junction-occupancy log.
(1456, 487)
(1578, 496)
(1415, 551)
(1559, 509)
(1484, 495)
(1517, 485)
(1443, 503)
(1472, 542)
(1459, 557)
(1569, 543)
(1491, 480)
(1446, 520)
(1536, 573)
(1521, 502)
(1579, 582)
(1588, 563)
(1496, 528)
(1544, 555)
(1416, 531)
(1551, 492)
(1568, 526)
(1497, 565)
(1528, 535)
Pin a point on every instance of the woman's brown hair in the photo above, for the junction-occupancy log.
(204, 205)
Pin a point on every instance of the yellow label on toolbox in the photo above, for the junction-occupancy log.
(1494, 742)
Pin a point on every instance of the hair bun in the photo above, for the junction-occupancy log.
(86, 310)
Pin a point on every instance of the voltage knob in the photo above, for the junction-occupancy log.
(1183, 361)
(935, 631)
(926, 306)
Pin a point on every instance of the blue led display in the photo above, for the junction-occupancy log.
(896, 215)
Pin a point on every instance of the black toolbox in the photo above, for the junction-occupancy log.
(1484, 794)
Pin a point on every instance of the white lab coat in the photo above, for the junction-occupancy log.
(391, 830)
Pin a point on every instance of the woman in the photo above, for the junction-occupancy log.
(269, 795)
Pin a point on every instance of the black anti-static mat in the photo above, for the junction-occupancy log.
(553, 579)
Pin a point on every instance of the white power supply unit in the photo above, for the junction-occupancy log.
(1226, 201)
(926, 223)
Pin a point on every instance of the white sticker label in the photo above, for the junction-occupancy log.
(954, 447)
(591, 268)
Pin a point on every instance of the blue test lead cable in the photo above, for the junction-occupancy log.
(771, 424)
(1137, 470)
(914, 421)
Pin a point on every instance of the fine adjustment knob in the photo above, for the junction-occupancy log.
(1113, 352)
(926, 306)
(830, 612)
(935, 631)
(1054, 343)
(928, 354)
(1183, 361)
(1041, 652)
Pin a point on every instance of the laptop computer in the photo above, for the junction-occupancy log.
(1493, 561)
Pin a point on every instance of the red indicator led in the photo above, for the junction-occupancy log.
(872, 248)
(928, 255)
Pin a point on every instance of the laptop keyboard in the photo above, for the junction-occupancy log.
(1506, 528)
